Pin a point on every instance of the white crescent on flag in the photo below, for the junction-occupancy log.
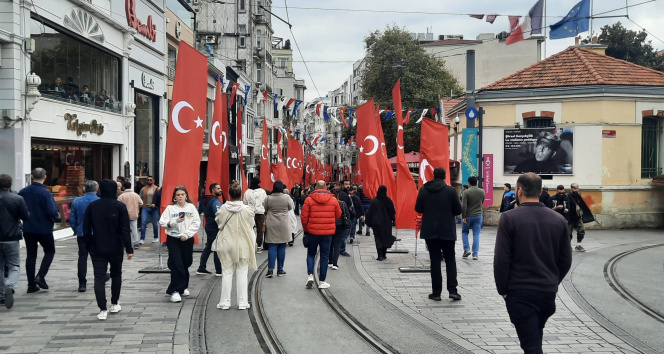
(375, 145)
(176, 117)
(423, 170)
(214, 133)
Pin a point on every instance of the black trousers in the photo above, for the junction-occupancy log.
(180, 258)
(48, 245)
(382, 251)
(100, 263)
(529, 310)
(335, 248)
(447, 248)
(211, 236)
(82, 260)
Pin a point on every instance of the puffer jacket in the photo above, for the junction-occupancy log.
(319, 212)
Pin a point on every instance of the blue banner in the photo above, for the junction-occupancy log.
(469, 149)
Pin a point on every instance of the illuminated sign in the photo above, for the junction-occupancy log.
(74, 125)
(148, 30)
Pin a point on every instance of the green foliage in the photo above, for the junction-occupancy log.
(630, 46)
(392, 55)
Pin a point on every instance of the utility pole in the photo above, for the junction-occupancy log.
(470, 84)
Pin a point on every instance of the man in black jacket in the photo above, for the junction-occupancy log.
(530, 260)
(439, 205)
(545, 198)
(343, 196)
(106, 232)
(13, 210)
(296, 194)
(211, 205)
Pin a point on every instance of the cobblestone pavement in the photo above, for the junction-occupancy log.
(480, 321)
(63, 320)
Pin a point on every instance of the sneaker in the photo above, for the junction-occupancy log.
(269, 273)
(115, 308)
(350, 241)
(579, 248)
(281, 273)
(175, 297)
(244, 307)
(466, 254)
(137, 246)
(223, 307)
(323, 285)
(475, 257)
(345, 254)
(185, 292)
(217, 274)
(202, 272)
(335, 267)
(359, 232)
(259, 249)
(102, 315)
(329, 265)
(310, 282)
(155, 240)
(368, 233)
(9, 297)
(141, 242)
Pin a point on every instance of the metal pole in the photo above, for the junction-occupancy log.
(415, 248)
(470, 84)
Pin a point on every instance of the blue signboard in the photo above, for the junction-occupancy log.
(471, 113)
(469, 151)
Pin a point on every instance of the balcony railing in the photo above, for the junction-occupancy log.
(171, 73)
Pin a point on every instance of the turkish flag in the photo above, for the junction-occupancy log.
(186, 128)
(217, 171)
(240, 141)
(376, 169)
(407, 192)
(434, 150)
(266, 173)
(234, 92)
(279, 172)
(295, 161)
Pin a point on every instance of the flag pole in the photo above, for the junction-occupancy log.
(591, 21)
(545, 30)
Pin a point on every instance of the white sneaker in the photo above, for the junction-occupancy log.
(323, 285)
(259, 249)
(175, 297)
(141, 242)
(335, 267)
(102, 315)
(115, 308)
(185, 292)
(155, 240)
(244, 307)
(329, 265)
(223, 307)
(310, 282)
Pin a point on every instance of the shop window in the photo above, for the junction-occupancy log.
(172, 58)
(146, 136)
(651, 136)
(74, 71)
(538, 122)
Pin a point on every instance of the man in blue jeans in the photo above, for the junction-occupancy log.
(471, 216)
(150, 209)
(14, 210)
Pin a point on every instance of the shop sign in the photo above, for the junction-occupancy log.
(610, 134)
(148, 30)
(233, 154)
(148, 83)
(74, 125)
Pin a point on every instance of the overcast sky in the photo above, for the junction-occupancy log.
(336, 37)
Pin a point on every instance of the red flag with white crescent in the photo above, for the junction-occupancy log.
(407, 192)
(217, 171)
(186, 128)
(266, 171)
(295, 161)
(234, 91)
(376, 169)
(434, 150)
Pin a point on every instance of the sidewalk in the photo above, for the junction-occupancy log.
(63, 320)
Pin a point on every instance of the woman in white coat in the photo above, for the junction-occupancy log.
(180, 220)
(235, 247)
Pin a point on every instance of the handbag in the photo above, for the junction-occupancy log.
(213, 248)
(305, 240)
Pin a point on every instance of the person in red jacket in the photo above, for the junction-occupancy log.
(319, 212)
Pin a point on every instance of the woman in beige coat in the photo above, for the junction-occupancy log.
(278, 227)
(235, 247)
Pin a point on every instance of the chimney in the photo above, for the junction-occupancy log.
(595, 46)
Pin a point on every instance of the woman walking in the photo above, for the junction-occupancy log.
(340, 228)
(277, 227)
(235, 247)
(254, 197)
(181, 221)
(380, 218)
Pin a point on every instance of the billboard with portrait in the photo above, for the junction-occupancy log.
(546, 151)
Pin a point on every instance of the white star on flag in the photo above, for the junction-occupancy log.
(199, 122)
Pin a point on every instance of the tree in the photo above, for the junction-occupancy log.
(630, 46)
(392, 55)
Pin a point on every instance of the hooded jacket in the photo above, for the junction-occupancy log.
(106, 223)
(509, 199)
(439, 204)
(15, 210)
(188, 228)
(255, 198)
(319, 212)
(236, 240)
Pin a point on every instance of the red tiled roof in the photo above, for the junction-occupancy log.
(448, 104)
(450, 42)
(576, 66)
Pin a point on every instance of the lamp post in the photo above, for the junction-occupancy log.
(457, 120)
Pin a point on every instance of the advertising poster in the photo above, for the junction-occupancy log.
(468, 154)
(547, 151)
(487, 182)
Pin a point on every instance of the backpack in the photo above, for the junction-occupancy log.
(344, 220)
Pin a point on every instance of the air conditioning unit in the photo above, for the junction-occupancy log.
(211, 39)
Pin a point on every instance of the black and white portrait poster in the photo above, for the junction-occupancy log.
(546, 151)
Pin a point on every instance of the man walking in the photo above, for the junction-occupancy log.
(106, 233)
(76, 218)
(39, 229)
(211, 205)
(296, 194)
(472, 217)
(579, 213)
(133, 202)
(343, 196)
(12, 210)
(359, 212)
(150, 210)
(530, 260)
(439, 205)
(509, 199)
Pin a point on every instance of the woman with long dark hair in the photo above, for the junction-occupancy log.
(277, 227)
(180, 220)
(380, 218)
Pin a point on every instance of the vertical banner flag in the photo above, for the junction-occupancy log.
(247, 88)
(236, 85)
(240, 144)
(184, 143)
(217, 171)
(469, 148)
(266, 173)
(487, 183)
(295, 161)
(434, 150)
(376, 169)
(406, 193)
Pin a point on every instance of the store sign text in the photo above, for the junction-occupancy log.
(148, 83)
(148, 30)
(74, 125)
